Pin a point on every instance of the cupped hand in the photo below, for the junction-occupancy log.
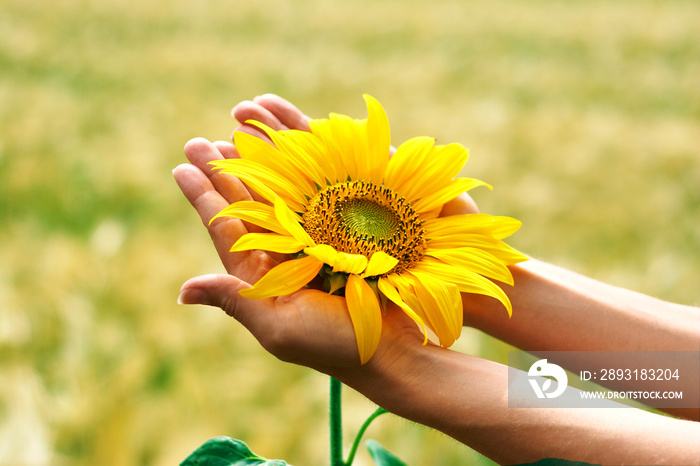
(309, 327)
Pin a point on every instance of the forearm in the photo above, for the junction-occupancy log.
(558, 310)
(466, 398)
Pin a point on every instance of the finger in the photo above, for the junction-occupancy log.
(227, 150)
(462, 204)
(199, 190)
(200, 152)
(207, 201)
(249, 110)
(212, 290)
(221, 290)
(288, 114)
(253, 131)
(240, 191)
(224, 231)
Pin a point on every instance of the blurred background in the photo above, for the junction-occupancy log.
(584, 116)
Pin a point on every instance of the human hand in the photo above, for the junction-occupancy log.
(309, 327)
(210, 192)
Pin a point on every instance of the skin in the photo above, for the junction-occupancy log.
(416, 381)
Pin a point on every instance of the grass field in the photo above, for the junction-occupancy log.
(585, 116)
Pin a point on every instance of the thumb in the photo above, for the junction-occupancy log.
(462, 204)
(218, 290)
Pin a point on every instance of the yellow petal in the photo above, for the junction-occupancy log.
(378, 139)
(323, 252)
(390, 292)
(365, 314)
(340, 261)
(442, 164)
(407, 160)
(263, 180)
(407, 293)
(430, 214)
(322, 130)
(495, 227)
(350, 263)
(290, 221)
(315, 149)
(466, 281)
(293, 160)
(449, 192)
(350, 139)
(503, 252)
(268, 242)
(474, 260)
(449, 299)
(277, 158)
(285, 278)
(380, 263)
(254, 212)
(442, 303)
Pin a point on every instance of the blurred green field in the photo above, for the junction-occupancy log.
(585, 116)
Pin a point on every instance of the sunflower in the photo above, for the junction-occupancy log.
(368, 223)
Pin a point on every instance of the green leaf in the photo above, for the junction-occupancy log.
(556, 462)
(382, 456)
(225, 451)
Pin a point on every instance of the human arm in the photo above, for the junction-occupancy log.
(559, 310)
(582, 314)
(467, 398)
(458, 394)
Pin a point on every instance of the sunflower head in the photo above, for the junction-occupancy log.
(369, 223)
(361, 217)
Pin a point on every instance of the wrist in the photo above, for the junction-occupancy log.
(389, 378)
(457, 394)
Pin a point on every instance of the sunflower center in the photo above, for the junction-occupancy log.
(360, 217)
(364, 218)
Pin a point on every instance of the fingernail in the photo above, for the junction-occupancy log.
(186, 296)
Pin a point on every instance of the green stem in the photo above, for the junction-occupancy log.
(336, 423)
(351, 456)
